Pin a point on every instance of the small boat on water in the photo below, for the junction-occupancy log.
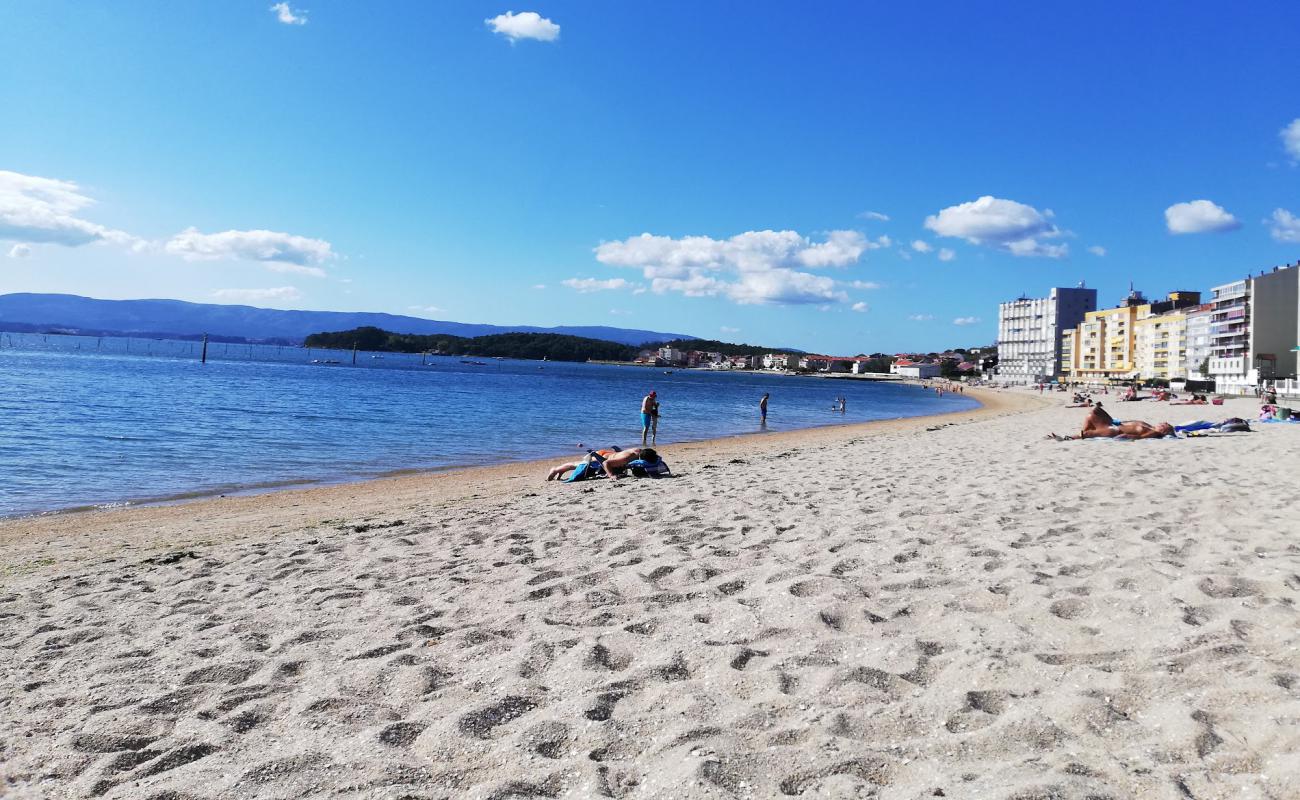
(325, 361)
(474, 363)
(668, 372)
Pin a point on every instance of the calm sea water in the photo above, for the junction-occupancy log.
(90, 421)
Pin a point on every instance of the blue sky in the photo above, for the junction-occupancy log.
(445, 160)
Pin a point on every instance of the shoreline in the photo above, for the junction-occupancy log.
(289, 485)
(301, 500)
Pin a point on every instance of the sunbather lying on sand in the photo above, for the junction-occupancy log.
(610, 462)
(568, 466)
(617, 463)
(1100, 425)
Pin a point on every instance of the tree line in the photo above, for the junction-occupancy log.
(551, 346)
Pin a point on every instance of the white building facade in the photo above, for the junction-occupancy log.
(1230, 337)
(1029, 332)
(1255, 330)
(1198, 341)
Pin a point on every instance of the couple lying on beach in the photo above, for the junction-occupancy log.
(1100, 425)
(613, 463)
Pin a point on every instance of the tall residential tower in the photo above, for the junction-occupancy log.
(1029, 332)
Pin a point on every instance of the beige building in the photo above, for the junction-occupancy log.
(1160, 346)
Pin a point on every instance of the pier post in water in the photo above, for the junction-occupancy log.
(354, 354)
(203, 359)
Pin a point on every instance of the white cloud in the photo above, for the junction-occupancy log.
(280, 293)
(1199, 216)
(861, 307)
(426, 309)
(619, 312)
(35, 210)
(20, 251)
(288, 16)
(947, 254)
(839, 249)
(966, 321)
(726, 329)
(1291, 140)
(524, 25)
(587, 285)
(539, 286)
(281, 252)
(295, 269)
(1001, 224)
(1285, 227)
(864, 285)
(756, 267)
(920, 317)
(1097, 250)
(921, 246)
(876, 215)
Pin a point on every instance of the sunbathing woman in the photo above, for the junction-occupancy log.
(1100, 425)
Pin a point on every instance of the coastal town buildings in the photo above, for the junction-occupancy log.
(905, 368)
(672, 355)
(1030, 332)
(780, 361)
(1136, 339)
(1102, 344)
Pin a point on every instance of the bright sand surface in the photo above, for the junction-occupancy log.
(950, 606)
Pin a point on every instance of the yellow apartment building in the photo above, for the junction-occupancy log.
(1137, 339)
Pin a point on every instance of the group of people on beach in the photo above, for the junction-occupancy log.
(613, 462)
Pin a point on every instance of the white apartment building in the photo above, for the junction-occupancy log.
(1255, 330)
(1198, 341)
(1230, 336)
(1029, 332)
(780, 361)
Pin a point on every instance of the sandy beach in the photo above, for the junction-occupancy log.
(941, 607)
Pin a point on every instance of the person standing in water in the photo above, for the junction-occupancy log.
(762, 409)
(649, 417)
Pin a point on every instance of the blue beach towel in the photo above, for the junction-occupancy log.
(587, 469)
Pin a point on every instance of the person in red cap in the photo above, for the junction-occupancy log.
(649, 417)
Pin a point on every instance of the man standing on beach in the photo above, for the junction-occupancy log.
(762, 409)
(649, 417)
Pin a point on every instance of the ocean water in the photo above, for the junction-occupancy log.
(88, 421)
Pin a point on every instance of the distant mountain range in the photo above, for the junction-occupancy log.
(163, 318)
